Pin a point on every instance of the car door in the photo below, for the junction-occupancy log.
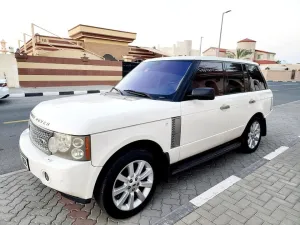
(260, 97)
(236, 88)
(204, 122)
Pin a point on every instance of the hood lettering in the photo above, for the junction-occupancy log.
(45, 123)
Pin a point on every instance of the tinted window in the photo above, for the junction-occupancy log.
(246, 78)
(257, 81)
(157, 78)
(235, 78)
(209, 74)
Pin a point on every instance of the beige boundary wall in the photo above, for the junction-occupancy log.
(277, 75)
(9, 69)
(44, 71)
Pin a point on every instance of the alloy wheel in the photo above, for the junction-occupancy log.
(132, 185)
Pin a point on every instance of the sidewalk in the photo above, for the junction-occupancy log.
(269, 195)
(63, 90)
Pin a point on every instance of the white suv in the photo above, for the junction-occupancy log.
(167, 115)
(4, 91)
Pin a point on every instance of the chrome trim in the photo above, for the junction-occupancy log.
(40, 137)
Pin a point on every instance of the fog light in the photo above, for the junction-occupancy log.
(77, 153)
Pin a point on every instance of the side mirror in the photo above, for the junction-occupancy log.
(203, 94)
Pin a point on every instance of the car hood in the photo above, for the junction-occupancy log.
(94, 113)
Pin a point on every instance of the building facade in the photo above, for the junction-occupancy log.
(183, 48)
(259, 56)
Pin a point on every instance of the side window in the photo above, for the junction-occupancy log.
(209, 74)
(257, 81)
(234, 79)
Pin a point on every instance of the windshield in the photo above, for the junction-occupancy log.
(159, 79)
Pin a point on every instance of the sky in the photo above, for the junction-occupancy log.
(274, 24)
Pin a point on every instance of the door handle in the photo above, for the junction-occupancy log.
(252, 101)
(223, 107)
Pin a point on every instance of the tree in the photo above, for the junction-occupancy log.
(240, 53)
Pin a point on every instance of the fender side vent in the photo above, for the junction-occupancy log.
(176, 131)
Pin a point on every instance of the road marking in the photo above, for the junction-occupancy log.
(287, 103)
(13, 173)
(16, 121)
(298, 88)
(277, 152)
(280, 85)
(215, 190)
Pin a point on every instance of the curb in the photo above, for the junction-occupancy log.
(39, 94)
(289, 81)
(201, 199)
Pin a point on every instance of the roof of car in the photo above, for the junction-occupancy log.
(210, 58)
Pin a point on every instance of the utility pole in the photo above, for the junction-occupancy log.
(32, 39)
(221, 31)
(201, 45)
(24, 40)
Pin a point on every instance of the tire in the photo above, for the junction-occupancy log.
(251, 136)
(134, 188)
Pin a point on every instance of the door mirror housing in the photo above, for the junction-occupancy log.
(203, 94)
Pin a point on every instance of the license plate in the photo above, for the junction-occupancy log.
(25, 161)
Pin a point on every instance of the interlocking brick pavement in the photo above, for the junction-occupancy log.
(25, 200)
(273, 204)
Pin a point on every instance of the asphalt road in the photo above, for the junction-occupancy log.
(15, 111)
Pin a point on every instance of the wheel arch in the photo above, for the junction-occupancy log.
(149, 145)
(260, 116)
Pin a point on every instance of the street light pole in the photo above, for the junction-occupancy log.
(221, 31)
(200, 45)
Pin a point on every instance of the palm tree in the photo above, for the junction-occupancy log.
(240, 53)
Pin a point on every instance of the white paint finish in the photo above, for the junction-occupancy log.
(65, 175)
(203, 125)
(240, 113)
(17, 95)
(95, 113)
(215, 190)
(50, 93)
(105, 144)
(3, 91)
(277, 152)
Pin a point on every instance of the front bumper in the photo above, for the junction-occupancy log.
(4, 92)
(73, 178)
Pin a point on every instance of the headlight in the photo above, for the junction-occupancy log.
(70, 147)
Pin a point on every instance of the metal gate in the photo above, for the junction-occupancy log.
(128, 66)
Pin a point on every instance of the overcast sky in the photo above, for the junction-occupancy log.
(274, 24)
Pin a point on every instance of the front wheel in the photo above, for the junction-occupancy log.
(128, 185)
(251, 136)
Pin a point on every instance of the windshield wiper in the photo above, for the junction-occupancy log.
(138, 93)
(118, 90)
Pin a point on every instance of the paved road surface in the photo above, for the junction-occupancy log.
(18, 109)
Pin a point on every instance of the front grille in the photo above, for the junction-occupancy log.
(40, 137)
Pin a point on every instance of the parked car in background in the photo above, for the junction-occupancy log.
(166, 115)
(4, 91)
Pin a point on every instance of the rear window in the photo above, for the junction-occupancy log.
(257, 81)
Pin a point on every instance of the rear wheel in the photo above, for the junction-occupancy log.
(251, 136)
(128, 185)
